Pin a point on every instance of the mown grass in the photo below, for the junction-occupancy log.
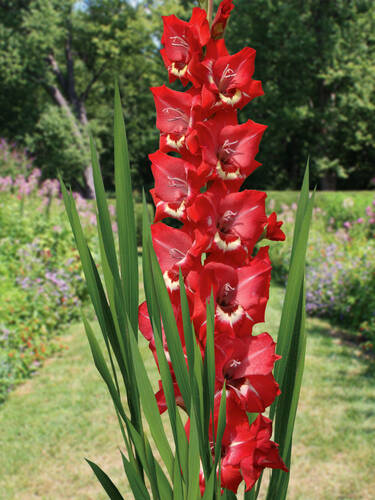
(64, 414)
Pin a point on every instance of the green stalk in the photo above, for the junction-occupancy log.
(210, 7)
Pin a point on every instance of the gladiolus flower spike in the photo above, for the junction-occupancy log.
(219, 246)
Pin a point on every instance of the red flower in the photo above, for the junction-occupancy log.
(176, 115)
(172, 247)
(221, 19)
(246, 364)
(247, 450)
(229, 149)
(145, 327)
(234, 223)
(228, 80)
(273, 229)
(240, 294)
(176, 185)
(198, 185)
(161, 401)
(182, 41)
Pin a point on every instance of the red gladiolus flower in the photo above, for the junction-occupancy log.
(246, 365)
(161, 401)
(247, 450)
(176, 115)
(145, 328)
(228, 81)
(273, 229)
(182, 41)
(173, 249)
(221, 19)
(204, 157)
(229, 149)
(176, 185)
(240, 294)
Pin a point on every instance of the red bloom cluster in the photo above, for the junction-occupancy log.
(215, 247)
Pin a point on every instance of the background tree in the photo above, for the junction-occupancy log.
(58, 60)
(317, 62)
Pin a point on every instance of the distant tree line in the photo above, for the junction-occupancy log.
(316, 59)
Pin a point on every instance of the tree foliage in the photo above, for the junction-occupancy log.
(317, 62)
(59, 59)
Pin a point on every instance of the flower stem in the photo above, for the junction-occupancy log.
(209, 11)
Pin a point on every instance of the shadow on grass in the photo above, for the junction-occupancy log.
(345, 338)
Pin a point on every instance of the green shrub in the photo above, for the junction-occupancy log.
(13, 161)
(58, 149)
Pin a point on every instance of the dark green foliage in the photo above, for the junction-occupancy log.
(58, 64)
(315, 59)
(57, 149)
(316, 62)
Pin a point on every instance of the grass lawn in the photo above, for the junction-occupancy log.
(64, 414)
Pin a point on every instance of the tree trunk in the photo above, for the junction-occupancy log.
(329, 181)
(72, 101)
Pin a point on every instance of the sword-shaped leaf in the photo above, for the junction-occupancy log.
(125, 216)
(106, 482)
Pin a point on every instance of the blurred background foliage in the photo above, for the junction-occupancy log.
(316, 59)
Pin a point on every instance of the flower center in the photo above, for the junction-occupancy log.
(178, 183)
(232, 99)
(178, 72)
(175, 114)
(226, 295)
(176, 254)
(227, 176)
(226, 221)
(176, 144)
(227, 75)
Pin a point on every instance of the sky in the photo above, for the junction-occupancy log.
(80, 4)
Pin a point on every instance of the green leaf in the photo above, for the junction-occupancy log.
(210, 486)
(103, 310)
(209, 365)
(178, 493)
(125, 216)
(102, 368)
(93, 281)
(166, 378)
(229, 495)
(106, 482)
(164, 487)
(186, 321)
(220, 425)
(193, 460)
(134, 478)
(291, 345)
(302, 205)
(195, 364)
(104, 218)
(150, 407)
(289, 312)
(179, 434)
(287, 405)
(149, 286)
